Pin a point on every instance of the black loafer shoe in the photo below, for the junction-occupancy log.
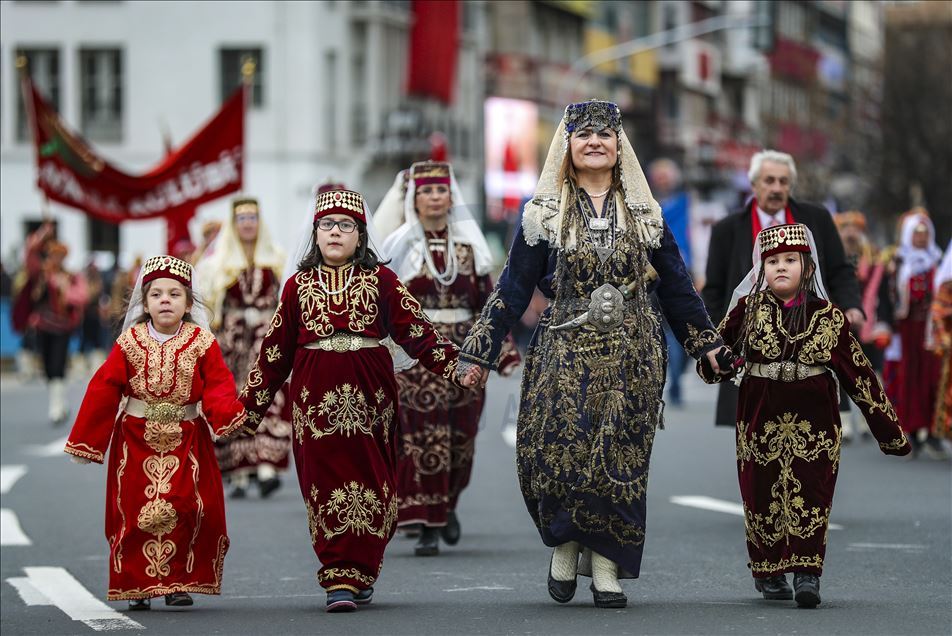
(178, 599)
(451, 531)
(774, 588)
(608, 600)
(429, 543)
(561, 591)
(139, 604)
(807, 589)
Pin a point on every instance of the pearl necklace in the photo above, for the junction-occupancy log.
(448, 276)
(600, 194)
(323, 285)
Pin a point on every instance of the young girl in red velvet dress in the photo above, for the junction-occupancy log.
(334, 311)
(794, 345)
(165, 508)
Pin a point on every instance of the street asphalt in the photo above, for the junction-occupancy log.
(888, 568)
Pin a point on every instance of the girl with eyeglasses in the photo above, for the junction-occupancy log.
(333, 313)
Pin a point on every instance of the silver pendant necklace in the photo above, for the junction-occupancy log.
(600, 229)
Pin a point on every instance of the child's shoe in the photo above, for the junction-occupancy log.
(774, 588)
(139, 604)
(341, 601)
(364, 596)
(179, 599)
(807, 589)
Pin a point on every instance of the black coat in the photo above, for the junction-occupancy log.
(729, 260)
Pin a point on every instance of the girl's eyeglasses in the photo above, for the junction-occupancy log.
(328, 224)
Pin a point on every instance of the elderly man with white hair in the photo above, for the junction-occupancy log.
(773, 176)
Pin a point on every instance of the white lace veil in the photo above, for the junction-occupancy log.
(389, 215)
(405, 246)
(746, 286)
(305, 233)
(136, 306)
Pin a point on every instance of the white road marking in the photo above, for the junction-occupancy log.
(478, 587)
(720, 505)
(10, 531)
(509, 434)
(9, 476)
(52, 449)
(29, 594)
(59, 588)
(886, 546)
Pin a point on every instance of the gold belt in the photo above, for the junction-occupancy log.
(343, 342)
(162, 412)
(786, 371)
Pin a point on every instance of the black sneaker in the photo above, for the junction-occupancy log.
(774, 588)
(341, 601)
(364, 597)
(807, 589)
(268, 486)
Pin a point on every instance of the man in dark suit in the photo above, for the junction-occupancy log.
(772, 175)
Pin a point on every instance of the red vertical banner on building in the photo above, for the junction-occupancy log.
(434, 45)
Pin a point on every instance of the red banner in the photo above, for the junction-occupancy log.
(434, 40)
(207, 166)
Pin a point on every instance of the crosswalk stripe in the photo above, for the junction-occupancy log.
(719, 505)
(10, 531)
(9, 476)
(62, 590)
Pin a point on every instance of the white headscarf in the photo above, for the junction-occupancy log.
(389, 215)
(746, 286)
(944, 273)
(406, 248)
(914, 260)
(224, 265)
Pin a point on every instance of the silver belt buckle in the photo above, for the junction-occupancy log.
(788, 371)
(607, 308)
(164, 412)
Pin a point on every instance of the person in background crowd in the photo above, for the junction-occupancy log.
(92, 336)
(665, 179)
(911, 371)
(865, 258)
(241, 281)
(942, 344)
(54, 301)
(773, 176)
(210, 230)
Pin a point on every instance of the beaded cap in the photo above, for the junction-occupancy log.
(340, 202)
(165, 266)
(783, 238)
(427, 172)
(595, 113)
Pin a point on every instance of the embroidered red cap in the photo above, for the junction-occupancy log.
(340, 202)
(165, 266)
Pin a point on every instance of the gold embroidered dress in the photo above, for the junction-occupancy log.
(165, 510)
(788, 429)
(344, 405)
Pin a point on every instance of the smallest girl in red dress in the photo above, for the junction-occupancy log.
(153, 401)
(794, 346)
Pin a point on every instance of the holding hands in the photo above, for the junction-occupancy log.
(471, 375)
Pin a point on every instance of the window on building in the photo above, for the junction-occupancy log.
(102, 236)
(358, 83)
(231, 60)
(101, 90)
(330, 100)
(44, 68)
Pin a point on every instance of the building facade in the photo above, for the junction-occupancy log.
(328, 101)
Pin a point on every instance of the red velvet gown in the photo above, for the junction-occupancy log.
(247, 309)
(165, 509)
(438, 419)
(788, 433)
(942, 326)
(912, 383)
(344, 406)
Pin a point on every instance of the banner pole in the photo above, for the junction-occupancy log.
(248, 67)
(22, 65)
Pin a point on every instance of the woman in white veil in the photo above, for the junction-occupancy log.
(440, 254)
